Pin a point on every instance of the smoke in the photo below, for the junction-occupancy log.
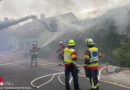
(65, 28)
(52, 39)
(20, 8)
(119, 17)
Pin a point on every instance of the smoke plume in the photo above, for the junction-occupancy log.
(82, 8)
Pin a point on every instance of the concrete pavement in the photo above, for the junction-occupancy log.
(18, 74)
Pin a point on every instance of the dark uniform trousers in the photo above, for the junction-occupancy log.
(93, 77)
(73, 70)
(60, 59)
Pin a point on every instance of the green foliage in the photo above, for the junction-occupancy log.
(122, 54)
(113, 44)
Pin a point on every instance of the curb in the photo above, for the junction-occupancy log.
(115, 83)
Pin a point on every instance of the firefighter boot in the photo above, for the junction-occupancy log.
(93, 89)
(97, 88)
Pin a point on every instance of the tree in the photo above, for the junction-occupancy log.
(122, 54)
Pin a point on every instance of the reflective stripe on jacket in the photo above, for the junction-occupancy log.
(70, 56)
(92, 56)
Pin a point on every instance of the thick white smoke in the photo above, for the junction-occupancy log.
(82, 8)
(65, 28)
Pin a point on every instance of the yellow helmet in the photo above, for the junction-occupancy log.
(71, 43)
(90, 41)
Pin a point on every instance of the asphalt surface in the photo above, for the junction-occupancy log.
(17, 73)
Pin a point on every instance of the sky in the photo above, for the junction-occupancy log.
(81, 8)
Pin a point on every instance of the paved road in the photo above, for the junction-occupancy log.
(18, 73)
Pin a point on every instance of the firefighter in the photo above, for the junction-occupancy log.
(92, 56)
(70, 58)
(60, 52)
(34, 53)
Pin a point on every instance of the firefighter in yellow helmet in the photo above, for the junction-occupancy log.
(70, 57)
(92, 56)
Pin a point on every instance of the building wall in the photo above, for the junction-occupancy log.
(22, 44)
